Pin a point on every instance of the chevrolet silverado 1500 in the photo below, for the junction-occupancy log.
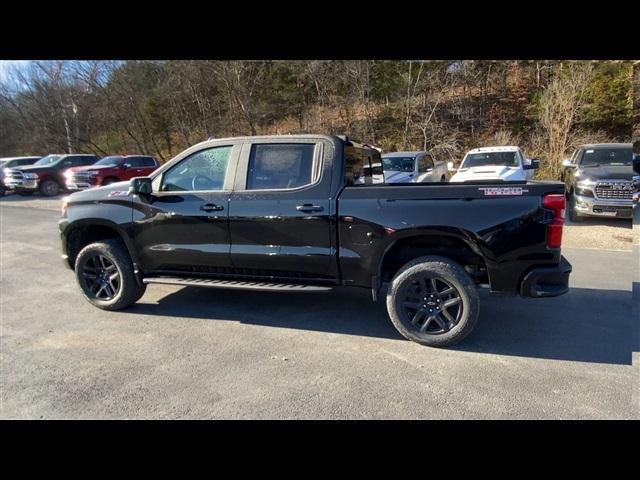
(294, 214)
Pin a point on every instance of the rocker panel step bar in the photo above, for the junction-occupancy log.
(237, 284)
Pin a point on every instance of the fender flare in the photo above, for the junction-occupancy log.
(460, 234)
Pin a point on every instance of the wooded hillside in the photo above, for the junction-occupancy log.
(162, 107)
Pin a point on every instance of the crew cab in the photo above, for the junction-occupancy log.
(114, 168)
(495, 163)
(286, 214)
(598, 181)
(46, 175)
(11, 162)
(413, 167)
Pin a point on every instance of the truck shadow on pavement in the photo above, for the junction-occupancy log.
(586, 325)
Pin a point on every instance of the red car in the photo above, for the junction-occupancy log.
(116, 168)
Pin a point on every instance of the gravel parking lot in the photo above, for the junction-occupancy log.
(199, 353)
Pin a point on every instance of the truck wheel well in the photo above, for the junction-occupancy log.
(406, 249)
(83, 236)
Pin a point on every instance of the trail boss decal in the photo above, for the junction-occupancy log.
(502, 191)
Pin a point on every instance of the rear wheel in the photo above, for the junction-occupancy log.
(433, 301)
(49, 187)
(104, 272)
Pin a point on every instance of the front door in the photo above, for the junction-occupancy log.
(280, 214)
(182, 227)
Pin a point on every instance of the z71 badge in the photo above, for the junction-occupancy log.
(502, 191)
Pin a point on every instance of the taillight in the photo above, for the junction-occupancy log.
(556, 202)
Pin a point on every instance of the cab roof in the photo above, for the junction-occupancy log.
(405, 154)
(597, 146)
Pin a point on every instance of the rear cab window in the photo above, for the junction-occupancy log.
(282, 166)
(360, 164)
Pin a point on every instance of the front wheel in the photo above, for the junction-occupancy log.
(433, 301)
(574, 216)
(49, 188)
(104, 272)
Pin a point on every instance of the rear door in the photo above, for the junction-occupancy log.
(280, 213)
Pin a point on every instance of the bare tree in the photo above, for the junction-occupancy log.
(559, 107)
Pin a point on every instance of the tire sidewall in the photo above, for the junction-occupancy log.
(129, 292)
(453, 274)
(43, 190)
(573, 215)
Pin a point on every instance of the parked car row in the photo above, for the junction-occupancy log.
(70, 172)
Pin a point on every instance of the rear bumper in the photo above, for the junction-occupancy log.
(546, 281)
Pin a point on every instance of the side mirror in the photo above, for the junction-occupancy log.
(533, 164)
(124, 166)
(450, 167)
(567, 163)
(140, 186)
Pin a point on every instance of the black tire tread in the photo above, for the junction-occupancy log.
(447, 269)
(130, 291)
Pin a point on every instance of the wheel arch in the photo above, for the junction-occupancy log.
(455, 244)
(83, 232)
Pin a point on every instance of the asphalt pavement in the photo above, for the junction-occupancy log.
(203, 353)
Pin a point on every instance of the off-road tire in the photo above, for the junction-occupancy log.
(446, 272)
(129, 291)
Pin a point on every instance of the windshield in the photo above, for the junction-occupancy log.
(109, 161)
(607, 156)
(398, 164)
(48, 160)
(498, 159)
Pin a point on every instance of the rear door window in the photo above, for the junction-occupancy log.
(278, 166)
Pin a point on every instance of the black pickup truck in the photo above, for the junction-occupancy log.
(300, 213)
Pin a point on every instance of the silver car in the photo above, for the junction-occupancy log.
(413, 167)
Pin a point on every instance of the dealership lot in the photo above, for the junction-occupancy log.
(199, 353)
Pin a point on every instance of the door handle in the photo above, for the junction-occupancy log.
(211, 207)
(307, 207)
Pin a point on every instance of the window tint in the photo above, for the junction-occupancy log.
(204, 170)
(357, 165)
(425, 163)
(279, 166)
(134, 161)
(86, 160)
(140, 161)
